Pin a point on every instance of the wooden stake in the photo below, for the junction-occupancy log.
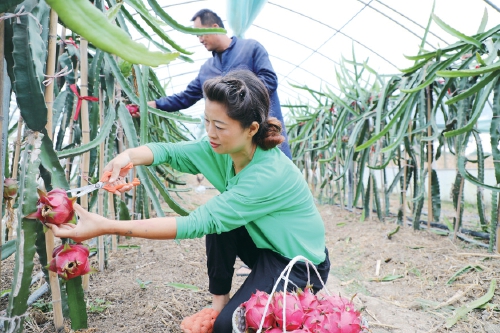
(429, 163)
(339, 187)
(49, 236)
(459, 204)
(51, 66)
(84, 116)
(70, 134)
(2, 34)
(382, 186)
(100, 200)
(498, 227)
(54, 285)
(15, 163)
(17, 149)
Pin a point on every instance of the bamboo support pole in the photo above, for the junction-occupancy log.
(340, 188)
(84, 116)
(429, 162)
(61, 50)
(70, 134)
(2, 33)
(15, 163)
(100, 200)
(371, 179)
(459, 206)
(49, 236)
(498, 228)
(111, 215)
(382, 187)
(17, 148)
(51, 67)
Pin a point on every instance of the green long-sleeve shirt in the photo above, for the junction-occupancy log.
(269, 197)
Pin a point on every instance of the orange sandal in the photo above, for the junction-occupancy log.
(200, 322)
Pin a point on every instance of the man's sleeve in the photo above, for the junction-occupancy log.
(182, 100)
(263, 68)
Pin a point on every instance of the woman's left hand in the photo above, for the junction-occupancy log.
(89, 225)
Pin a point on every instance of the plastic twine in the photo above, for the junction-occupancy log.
(80, 100)
(18, 15)
(61, 73)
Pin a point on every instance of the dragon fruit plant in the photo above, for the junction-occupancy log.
(54, 207)
(305, 313)
(70, 261)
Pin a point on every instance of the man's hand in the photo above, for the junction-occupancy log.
(137, 114)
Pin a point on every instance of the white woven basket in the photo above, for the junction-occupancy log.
(239, 314)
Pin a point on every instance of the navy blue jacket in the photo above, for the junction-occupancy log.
(241, 54)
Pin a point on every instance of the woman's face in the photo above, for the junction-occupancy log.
(226, 134)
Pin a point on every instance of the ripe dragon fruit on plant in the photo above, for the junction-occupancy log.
(132, 108)
(254, 310)
(70, 261)
(54, 207)
(10, 188)
(293, 310)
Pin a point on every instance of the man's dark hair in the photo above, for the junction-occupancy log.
(208, 17)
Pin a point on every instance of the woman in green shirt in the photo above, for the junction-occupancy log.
(265, 213)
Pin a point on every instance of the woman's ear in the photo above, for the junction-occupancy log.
(254, 128)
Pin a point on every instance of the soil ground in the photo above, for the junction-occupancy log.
(151, 288)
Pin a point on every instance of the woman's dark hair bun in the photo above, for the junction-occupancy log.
(269, 134)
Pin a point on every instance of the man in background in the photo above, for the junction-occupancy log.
(227, 54)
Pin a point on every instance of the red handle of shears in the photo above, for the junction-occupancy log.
(108, 187)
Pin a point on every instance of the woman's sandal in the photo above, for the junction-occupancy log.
(200, 322)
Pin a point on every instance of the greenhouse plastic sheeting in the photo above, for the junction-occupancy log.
(242, 13)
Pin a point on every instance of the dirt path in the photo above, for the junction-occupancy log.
(141, 290)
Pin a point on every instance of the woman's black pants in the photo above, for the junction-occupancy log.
(266, 266)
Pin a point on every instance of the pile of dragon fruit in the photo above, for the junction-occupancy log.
(305, 313)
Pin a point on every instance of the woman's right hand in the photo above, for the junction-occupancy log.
(116, 165)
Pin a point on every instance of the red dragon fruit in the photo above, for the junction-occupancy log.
(316, 322)
(255, 310)
(10, 188)
(70, 261)
(348, 321)
(293, 310)
(333, 303)
(54, 207)
(132, 108)
(307, 299)
(275, 330)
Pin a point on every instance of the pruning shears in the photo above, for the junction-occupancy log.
(103, 184)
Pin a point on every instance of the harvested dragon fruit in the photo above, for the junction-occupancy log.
(293, 310)
(307, 299)
(70, 261)
(254, 310)
(54, 207)
(10, 188)
(305, 313)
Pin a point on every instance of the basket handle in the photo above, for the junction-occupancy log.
(287, 270)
